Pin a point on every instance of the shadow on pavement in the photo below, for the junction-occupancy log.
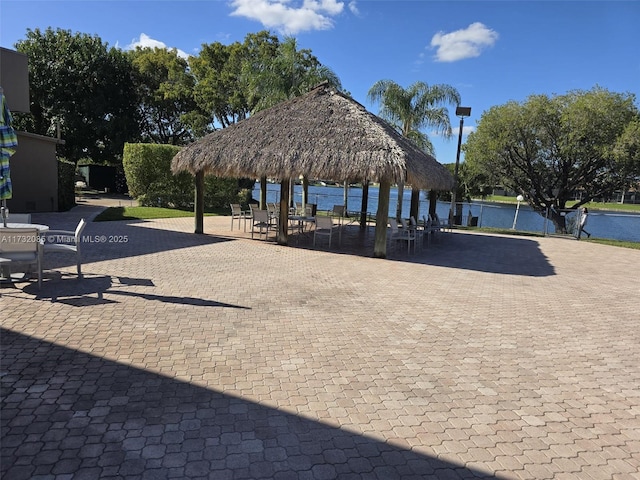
(484, 253)
(70, 413)
(90, 290)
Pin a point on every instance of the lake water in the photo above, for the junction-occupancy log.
(601, 224)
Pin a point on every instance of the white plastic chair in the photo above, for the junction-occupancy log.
(401, 235)
(324, 227)
(260, 221)
(238, 213)
(66, 241)
(417, 231)
(19, 218)
(20, 246)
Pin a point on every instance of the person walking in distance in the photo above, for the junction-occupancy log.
(584, 215)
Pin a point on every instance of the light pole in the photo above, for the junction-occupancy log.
(515, 217)
(460, 112)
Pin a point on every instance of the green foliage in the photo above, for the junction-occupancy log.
(409, 111)
(412, 109)
(83, 86)
(66, 185)
(148, 171)
(168, 110)
(626, 153)
(549, 148)
(287, 74)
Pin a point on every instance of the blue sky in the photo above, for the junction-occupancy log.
(491, 51)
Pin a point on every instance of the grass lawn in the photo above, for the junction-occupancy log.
(146, 213)
(503, 231)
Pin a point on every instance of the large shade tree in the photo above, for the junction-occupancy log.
(557, 151)
(221, 87)
(411, 110)
(168, 111)
(84, 89)
(627, 156)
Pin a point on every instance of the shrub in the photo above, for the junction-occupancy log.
(66, 185)
(147, 168)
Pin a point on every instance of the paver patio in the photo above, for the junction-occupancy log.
(209, 356)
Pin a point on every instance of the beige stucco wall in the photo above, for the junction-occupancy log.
(34, 175)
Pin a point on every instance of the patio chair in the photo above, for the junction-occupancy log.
(398, 235)
(324, 227)
(428, 228)
(20, 246)
(273, 210)
(260, 221)
(66, 241)
(19, 218)
(340, 212)
(238, 213)
(417, 231)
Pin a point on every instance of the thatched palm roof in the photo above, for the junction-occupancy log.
(323, 134)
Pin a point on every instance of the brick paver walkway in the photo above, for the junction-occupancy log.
(184, 356)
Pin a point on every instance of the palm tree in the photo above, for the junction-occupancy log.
(410, 110)
(290, 73)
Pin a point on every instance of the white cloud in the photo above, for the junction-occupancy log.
(455, 131)
(145, 41)
(461, 44)
(354, 7)
(288, 18)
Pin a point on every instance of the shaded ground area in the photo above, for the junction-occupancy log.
(99, 419)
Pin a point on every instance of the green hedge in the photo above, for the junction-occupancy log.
(147, 168)
(66, 185)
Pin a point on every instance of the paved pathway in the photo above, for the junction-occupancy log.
(186, 356)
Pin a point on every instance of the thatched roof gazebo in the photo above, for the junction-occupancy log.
(322, 134)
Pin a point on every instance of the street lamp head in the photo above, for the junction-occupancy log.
(520, 198)
(463, 111)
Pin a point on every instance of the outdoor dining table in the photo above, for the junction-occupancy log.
(5, 266)
(41, 228)
(301, 222)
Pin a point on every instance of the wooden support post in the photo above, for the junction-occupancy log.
(364, 205)
(382, 218)
(199, 203)
(263, 193)
(283, 224)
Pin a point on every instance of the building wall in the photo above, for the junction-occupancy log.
(14, 79)
(34, 166)
(34, 175)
